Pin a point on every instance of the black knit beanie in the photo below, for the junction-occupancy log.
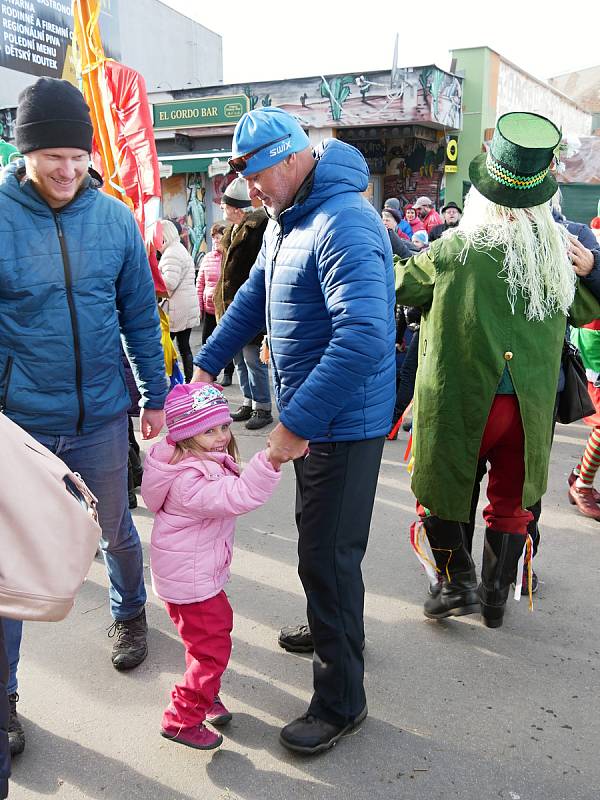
(53, 113)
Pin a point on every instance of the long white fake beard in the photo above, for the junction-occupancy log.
(536, 262)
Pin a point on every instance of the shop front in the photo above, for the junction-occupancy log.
(400, 121)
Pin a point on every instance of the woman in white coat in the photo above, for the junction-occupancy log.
(177, 268)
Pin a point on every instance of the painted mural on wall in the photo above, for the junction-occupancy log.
(196, 215)
(412, 95)
(411, 158)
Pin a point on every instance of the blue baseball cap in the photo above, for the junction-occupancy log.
(263, 138)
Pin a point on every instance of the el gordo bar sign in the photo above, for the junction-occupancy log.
(199, 113)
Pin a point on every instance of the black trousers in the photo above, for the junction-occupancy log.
(335, 491)
(183, 345)
(209, 323)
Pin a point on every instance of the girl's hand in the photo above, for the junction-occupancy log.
(273, 461)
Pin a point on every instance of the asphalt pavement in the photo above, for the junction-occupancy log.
(455, 710)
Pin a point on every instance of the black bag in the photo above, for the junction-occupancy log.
(574, 401)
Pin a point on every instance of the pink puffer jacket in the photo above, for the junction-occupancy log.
(196, 503)
(208, 275)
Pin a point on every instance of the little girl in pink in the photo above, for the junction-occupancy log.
(193, 485)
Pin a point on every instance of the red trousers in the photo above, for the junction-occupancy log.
(205, 629)
(503, 447)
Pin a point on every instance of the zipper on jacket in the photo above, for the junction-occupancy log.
(6, 378)
(73, 315)
(273, 260)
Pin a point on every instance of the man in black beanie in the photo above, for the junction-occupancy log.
(74, 277)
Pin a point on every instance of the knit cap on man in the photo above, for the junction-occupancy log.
(194, 408)
(236, 194)
(52, 113)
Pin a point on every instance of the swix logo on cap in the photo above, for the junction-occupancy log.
(281, 148)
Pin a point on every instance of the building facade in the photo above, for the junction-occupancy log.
(398, 120)
(494, 86)
(170, 50)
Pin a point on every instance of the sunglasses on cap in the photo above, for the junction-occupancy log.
(240, 163)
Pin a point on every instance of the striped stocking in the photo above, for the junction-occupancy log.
(590, 460)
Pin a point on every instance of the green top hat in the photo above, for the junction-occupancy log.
(515, 172)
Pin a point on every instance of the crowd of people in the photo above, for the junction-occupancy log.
(303, 260)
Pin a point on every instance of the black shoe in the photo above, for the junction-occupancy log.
(16, 734)
(226, 381)
(309, 734)
(456, 597)
(259, 419)
(130, 648)
(296, 639)
(242, 414)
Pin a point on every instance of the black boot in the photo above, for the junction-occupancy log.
(16, 734)
(501, 554)
(458, 595)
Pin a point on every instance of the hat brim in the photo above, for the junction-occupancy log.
(505, 196)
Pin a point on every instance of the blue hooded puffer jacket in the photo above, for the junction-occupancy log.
(325, 278)
(70, 282)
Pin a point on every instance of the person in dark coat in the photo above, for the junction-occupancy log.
(400, 247)
(451, 214)
(240, 246)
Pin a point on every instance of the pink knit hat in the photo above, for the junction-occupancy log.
(193, 408)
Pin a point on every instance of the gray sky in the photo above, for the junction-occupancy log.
(263, 41)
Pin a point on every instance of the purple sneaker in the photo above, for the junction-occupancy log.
(217, 714)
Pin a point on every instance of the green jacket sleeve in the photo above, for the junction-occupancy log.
(585, 307)
(415, 280)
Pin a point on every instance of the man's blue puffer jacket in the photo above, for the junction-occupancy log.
(69, 283)
(325, 278)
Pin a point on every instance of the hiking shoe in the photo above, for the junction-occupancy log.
(130, 647)
(296, 639)
(242, 414)
(198, 736)
(16, 734)
(259, 419)
(217, 714)
(225, 381)
(310, 735)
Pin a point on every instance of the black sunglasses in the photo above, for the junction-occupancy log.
(240, 163)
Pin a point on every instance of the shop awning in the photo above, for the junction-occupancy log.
(193, 162)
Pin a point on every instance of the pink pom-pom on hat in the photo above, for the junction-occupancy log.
(193, 408)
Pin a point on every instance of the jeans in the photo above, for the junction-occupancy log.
(100, 457)
(254, 377)
(12, 644)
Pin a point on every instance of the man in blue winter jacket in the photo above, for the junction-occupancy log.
(74, 278)
(323, 286)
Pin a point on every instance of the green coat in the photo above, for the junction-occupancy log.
(468, 335)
